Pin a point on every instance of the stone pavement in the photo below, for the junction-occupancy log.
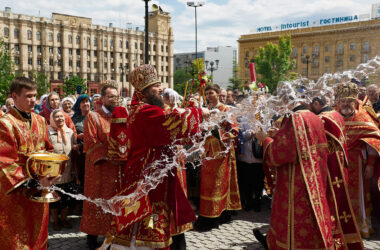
(235, 235)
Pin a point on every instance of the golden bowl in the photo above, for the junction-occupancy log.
(42, 164)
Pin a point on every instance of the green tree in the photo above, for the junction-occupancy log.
(6, 71)
(71, 84)
(273, 63)
(184, 75)
(42, 82)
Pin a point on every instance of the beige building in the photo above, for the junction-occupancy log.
(66, 45)
(319, 50)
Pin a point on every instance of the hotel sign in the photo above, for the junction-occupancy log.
(308, 23)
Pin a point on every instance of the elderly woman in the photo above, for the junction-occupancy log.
(67, 105)
(81, 109)
(62, 139)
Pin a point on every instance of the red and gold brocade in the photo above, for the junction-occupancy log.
(102, 177)
(300, 217)
(362, 130)
(345, 228)
(1, 113)
(219, 188)
(23, 223)
(150, 132)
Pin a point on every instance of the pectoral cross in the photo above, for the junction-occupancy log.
(337, 181)
(304, 156)
(122, 136)
(345, 216)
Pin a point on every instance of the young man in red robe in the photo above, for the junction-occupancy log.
(23, 223)
(219, 189)
(102, 177)
(345, 230)
(363, 148)
(300, 217)
(145, 223)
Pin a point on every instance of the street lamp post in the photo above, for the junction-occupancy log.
(195, 5)
(122, 79)
(146, 32)
(45, 68)
(305, 60)
(212, 68)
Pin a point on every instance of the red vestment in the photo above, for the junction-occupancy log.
(362, 131)
(150, 131)
(101, 176)
(23, 222)
(300, 217)
(346, 230)
(219, 188)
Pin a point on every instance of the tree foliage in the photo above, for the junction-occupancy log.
(6, 71)
(273, 63)
(184, 75)
(71, 85)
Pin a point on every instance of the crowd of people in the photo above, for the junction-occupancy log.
(319, 164)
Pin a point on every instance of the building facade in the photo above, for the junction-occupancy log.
(219, 62)
(66, 45)
(319, 50)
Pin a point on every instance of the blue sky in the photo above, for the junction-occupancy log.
(220, 22)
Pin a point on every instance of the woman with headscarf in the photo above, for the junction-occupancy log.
(52, 102)
(63, 140)
(81, 109)
(67, 105)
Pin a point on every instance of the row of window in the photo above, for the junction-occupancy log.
(16, 34)
(339, 48)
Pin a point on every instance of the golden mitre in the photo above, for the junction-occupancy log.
(346, 90)
(143, 76)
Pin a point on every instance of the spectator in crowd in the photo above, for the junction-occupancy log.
(63, 140)
(373, 96)
(223, 96)
(52, 103)
(362, 93)
(39, 106)
(9, 103)
(67, 105)
(230, 98)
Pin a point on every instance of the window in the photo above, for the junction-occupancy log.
(327, 70)
(71, 52)
(167, 68)
(327, 48)
(167, 48)
(59, 37)
(95, 41)
(121, 55)
(105, 65)
(95, 64)
(88, 41)
(78, 64)
(352, 58)
(17, 48)
(17, 60)
(327, 59)
(39, 61)
(88, 53)
(88, 64)
(366, 46)
(38, 35)
(135, 45)
(105, 53)
(6, 31)
(50, 35)
(304, 49)
(58, 51)
(51, 50)
(105, 42)
(29, 34)
(30, 48)
(6, 46)
(340, 48)
(352, 46)
(316, 49)
(95, 53)
(51, 62)
(154, 47)
(294, 52)
(16, 33)
(141, 46)
(111, 43)
(77, 39)
(78, 52)
(39, 49)
(121, 44)
(365, 58)
(167, 59)
(126, 56)
(162, 48)
(315, 71)
(111, 54)
(30, 61)
(126, 44)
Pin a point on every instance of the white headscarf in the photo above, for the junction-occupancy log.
(68, 98)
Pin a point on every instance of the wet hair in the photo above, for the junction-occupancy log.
(214, 87)
(22, 82)
(321, 100)
(105, 87)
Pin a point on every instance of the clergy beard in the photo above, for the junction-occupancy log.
(155, 100)
(110, 107)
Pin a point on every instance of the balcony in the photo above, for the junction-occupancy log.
(339, 63)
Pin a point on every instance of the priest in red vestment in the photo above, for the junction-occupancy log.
(145, 220)
(219, 190)
(300, 217)
(363, 148)
(101, 179)
(345, 228)
(23, 222)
